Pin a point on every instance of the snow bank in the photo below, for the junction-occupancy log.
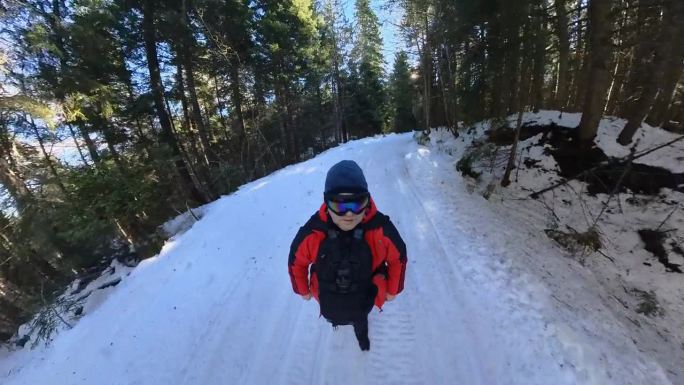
(488, 300)
(626, 273)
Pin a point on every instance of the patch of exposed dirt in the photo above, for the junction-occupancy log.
(573, 160)
(655, 243)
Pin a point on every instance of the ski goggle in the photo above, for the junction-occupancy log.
(340, 204)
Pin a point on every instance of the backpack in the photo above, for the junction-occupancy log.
(344, 270)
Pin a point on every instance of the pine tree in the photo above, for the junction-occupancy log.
(599, 74)
(401, 95)
(560, 97)
(286, 37)
(669, 45)
(336, 36)
(367, 55)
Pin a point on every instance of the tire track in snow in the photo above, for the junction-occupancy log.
(393, 333)
(440, 338)
(239, 312)
(212, 327)
(517, 344)
(298, 345)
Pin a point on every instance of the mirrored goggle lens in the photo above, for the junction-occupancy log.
(341, 208)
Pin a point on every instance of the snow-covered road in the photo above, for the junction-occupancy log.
(216, 307)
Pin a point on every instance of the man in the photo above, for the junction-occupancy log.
(348, 255)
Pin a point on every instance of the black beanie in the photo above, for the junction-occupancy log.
(345, 176)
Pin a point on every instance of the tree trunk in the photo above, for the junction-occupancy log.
(15, 185)
(196, 113)
(445, 94)
(671, 75)
(78, 146)
(495, 67)
(599, 73)
(92, 149)
(16, 304)
(451, 81)
(671, 35)
(143, 141)
(335, 80)
(196, 168)
(465, 72)
(40, 232)
(167, 136)
(427, 73)
(620, 71)
(522, 94)
(239, 117)
(106, 130)
(292, 139)
(219, 110)
(56, 25)
(617, 85)
(336, 91)
(285, 135)
(561, 96)
(480, 85)
(579, 88)
(662, 103)
(57, 38)
(512, 61)
(48, 160)
(647, 17)
(187, 121)
(186, 51)
(577, 91)
(539, 57)
(344, 93)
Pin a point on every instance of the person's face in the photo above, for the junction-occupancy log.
(347, 221)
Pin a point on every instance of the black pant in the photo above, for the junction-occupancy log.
(361, 328)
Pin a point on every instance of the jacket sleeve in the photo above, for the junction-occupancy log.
(299, 260)
(396, 259)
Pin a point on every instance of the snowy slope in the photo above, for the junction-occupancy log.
(628, 276)
(216, 306)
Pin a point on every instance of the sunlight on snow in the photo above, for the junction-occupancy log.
(302, 169)
(423, 152)
(259, 185)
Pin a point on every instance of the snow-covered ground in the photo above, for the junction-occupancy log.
(630, 279)
(489, 299)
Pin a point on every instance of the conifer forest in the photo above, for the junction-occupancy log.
(116, 115)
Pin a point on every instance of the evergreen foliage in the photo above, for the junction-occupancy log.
(401, 91)
(367, 73)
(116, 115)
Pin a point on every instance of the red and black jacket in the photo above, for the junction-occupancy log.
(382, 237)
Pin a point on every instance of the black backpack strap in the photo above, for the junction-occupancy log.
(316, 223)
(379, 220)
